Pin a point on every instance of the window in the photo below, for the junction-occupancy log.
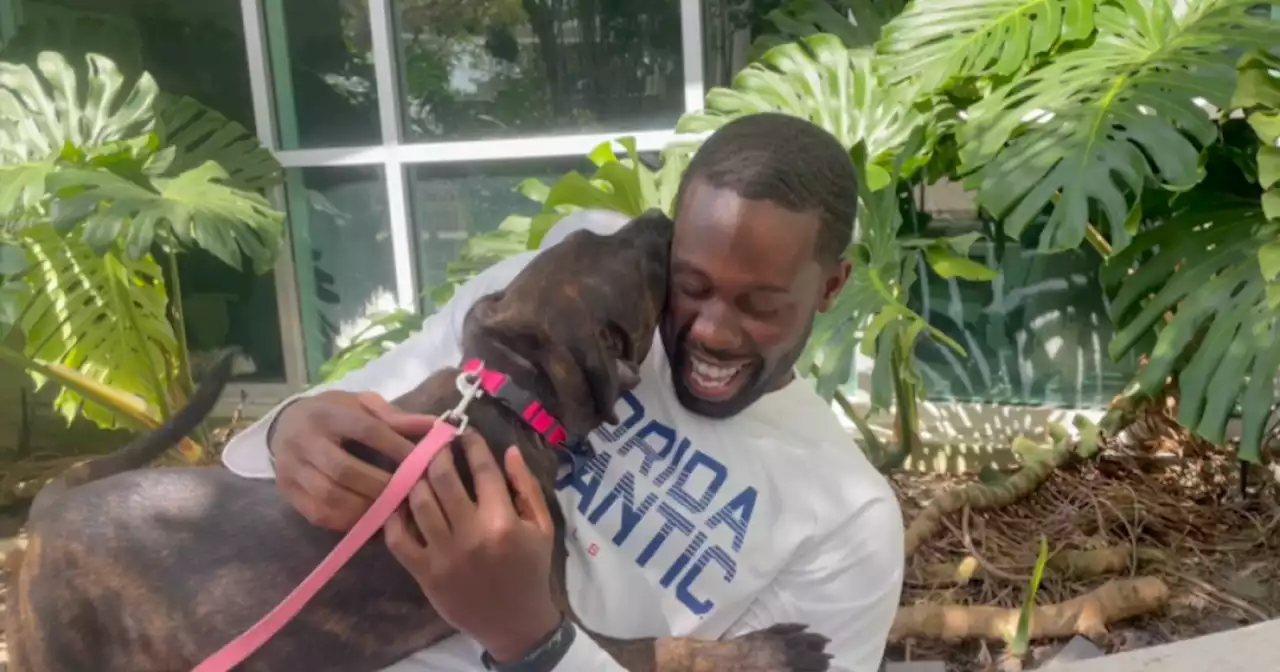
(194, 49)
(494, 69)
(1036, 335)
(452, 202)
(342, 253)
(323, 68)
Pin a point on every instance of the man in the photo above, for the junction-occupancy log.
(727, 499)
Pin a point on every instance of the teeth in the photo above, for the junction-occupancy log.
(710, 375)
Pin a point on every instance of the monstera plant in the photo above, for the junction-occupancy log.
(102, 185)
(1072, 122)
(1114, 118)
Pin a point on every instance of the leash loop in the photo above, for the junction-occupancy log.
(471, 385)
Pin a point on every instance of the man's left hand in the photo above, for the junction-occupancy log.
(485, 565)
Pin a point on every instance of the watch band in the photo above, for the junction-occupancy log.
(271, 428)
(544, 658)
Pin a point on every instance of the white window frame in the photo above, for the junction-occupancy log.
(971, 429)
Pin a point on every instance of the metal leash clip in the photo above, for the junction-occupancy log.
(469, 384)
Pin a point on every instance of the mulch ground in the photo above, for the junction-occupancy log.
(1163, 503)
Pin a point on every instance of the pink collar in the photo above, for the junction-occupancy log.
(499, 386)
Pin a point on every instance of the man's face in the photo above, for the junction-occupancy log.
(745, 287)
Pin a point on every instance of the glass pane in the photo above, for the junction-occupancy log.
(322, 65)
(727, 31)
(1037, 335)
(501, 69)
(191, 49)
(342, 250)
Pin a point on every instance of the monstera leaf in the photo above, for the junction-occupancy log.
(857, 24)
(934, 41)
(100, 315)
(194, 208)
(196, 134)
(13, 289)
(37, 124)
(105, 162)
(1096, 125)
(1203, 264)
(820, 80)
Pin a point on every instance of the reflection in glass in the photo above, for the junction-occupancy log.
(343, 253)
(502, 68)
(1037, 335)
(322, 65)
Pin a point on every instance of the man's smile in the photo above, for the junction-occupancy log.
(713, 379)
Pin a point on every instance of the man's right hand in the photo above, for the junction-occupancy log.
(326, 484)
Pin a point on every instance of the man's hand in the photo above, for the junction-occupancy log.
(485, 565)
(326, 484)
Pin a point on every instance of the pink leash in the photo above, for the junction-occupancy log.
(402, 481)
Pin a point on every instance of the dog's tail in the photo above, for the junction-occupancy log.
(145, 449)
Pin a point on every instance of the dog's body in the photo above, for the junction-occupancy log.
(155, 569)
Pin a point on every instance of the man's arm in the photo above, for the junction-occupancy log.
(845, 586)
(397, 371)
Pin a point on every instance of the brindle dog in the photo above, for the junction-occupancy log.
(155, 569)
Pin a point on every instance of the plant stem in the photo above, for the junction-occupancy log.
(1098, 241)
(131, 410)
(874, 446)
(178, 320)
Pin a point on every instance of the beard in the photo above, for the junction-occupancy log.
(757, 377)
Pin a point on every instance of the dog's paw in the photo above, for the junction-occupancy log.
(786, 647)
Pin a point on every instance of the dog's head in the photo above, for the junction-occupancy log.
(575, 324)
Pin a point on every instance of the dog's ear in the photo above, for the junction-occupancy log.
(628, 375)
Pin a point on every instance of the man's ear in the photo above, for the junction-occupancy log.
(833, 284)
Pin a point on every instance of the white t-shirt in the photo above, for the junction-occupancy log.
(683, 525)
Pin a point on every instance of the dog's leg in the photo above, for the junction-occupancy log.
(781, 648)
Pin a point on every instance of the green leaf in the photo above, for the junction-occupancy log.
(13, 261)
(534, 189)
(878, 178)
(195, 208)
(40, 114)
(1203, 264)
(1268, 166)
(1267, 126)
(1019, 647)
(602, 154)
(1097, 125)
(1271, 204)
(1258, 85)
(1269, 259)
(948, 264)
(576, 190)
(818, 79)
(101, 315)
(795, 20)
(934, 41)
(196, 134)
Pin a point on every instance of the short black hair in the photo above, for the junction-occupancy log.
(788, 161)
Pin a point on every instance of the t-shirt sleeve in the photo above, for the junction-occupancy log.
(437, 344)
(844, 587)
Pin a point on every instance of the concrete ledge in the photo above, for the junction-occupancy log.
(1248, 649)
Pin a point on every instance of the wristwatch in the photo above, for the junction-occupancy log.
(544, 657)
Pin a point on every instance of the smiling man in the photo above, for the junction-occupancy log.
(727, 499)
